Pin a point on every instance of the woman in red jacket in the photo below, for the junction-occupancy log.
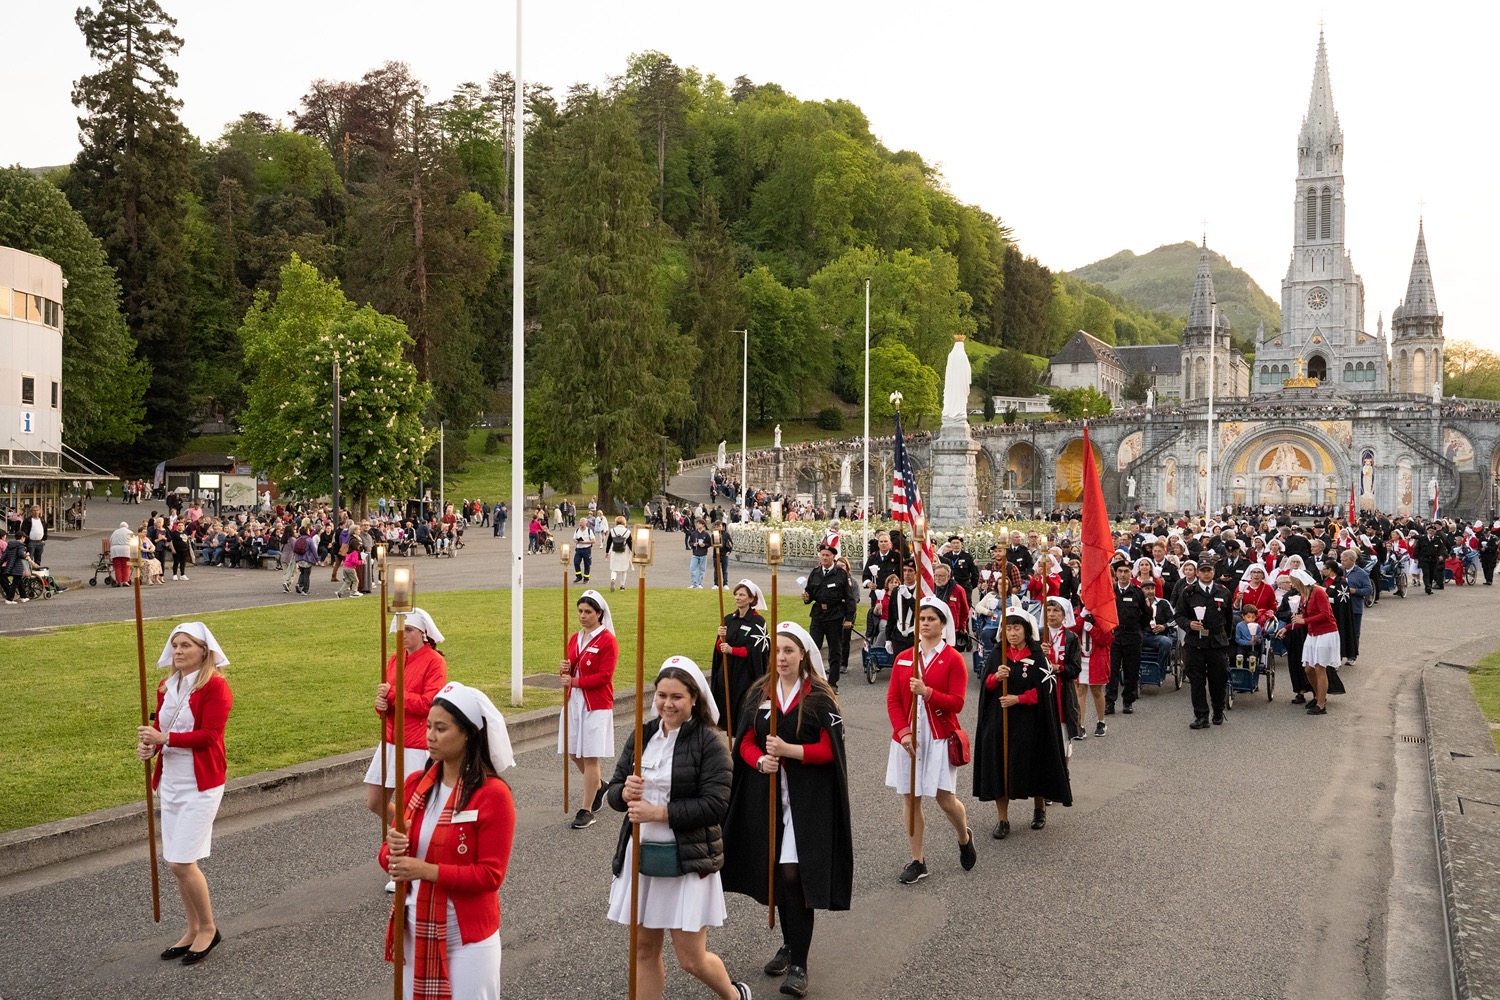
(192, 709)
(1321, 650)
(933, 674)
(460, 823)
(426, 672)
(1255, 592)
(588, 671)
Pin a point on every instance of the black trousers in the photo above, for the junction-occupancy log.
(1432, 574)
(1208, 673)
(1124, 668)
(1488, 565)
(838, 644)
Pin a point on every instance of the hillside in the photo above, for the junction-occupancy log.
(1163, 280)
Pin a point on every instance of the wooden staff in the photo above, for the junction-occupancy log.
(146, 718)
(724, 657)
(567, 687)
(641, 556)
(912, 800)
(385, 804)
(1004, 681)
(398, 952)
(775, 806)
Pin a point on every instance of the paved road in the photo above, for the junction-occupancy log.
(1276, 856)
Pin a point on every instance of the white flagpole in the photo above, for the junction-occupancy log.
(518, 381)
(865, 498)
(1213, 345)
(745, 426)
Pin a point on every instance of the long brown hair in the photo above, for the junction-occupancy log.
(814, 686)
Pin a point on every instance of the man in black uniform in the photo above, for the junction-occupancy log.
(1134, 612)
(1019, 555)
(962, 565)
(880, 564)
(1489, 553)
(1205, 613)
(832, 613)
(1231, 568)
(1430, 555)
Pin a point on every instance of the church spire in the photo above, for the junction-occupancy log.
(1320, 127)
(1200, 311)
(1421, 300)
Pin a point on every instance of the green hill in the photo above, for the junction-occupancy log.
(1163, 280)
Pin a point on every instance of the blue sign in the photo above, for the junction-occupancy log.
(27, 421)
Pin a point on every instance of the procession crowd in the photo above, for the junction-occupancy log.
(743, 777)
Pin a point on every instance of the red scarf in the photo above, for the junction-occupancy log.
(430, 935)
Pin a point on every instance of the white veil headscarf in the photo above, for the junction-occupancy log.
(605, 618)
(483, 716)
(1067, 609)
(198, 631)
(705, 693)
(758, 600)
(950, 634)
(419, 619)
(805, 640)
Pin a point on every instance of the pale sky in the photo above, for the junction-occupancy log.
(1089, 127)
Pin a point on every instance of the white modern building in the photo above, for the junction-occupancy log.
(32, 470)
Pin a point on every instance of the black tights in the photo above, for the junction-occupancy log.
(796, 916)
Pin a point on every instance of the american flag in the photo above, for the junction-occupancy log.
(906, 505)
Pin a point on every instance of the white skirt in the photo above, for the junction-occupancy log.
(934, 773)
(413, 760)
(1321, 650)
(684, 903)
(473, 969)
(590, 733)
(187, 815)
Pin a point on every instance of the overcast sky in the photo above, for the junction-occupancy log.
(1088, 127)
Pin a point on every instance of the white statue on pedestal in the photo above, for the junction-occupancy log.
(1150, 399)
(1130, 487)
(956, 382)
(778, 436)
(844, 469)
(722, 452)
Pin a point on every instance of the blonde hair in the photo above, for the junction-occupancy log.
(207, 670)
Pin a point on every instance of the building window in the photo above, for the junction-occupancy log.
(18, 305)
(56, 393)
(28, 390)
(4, 302)
(1312, 214)
(1326, 216)
(50, 313)
(1075, 369)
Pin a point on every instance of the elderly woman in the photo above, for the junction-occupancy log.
(741, 652)
(192, 711)
(1255, 592)
(119, 555)
(680, 800)
(1320, 651)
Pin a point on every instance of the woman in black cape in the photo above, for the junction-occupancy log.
(1293, 637)
(1342, 601)
(1037, 756)
(815, 869)
(742, 648)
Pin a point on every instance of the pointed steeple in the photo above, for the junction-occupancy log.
(1320, 127)
(1421, 300)
(1200, 311)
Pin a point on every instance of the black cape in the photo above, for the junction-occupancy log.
(1072, 667)
(1342, 600)
(748, 632)
(820, 806)
(1038, 762)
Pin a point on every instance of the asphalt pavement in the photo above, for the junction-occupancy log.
(1279, 855)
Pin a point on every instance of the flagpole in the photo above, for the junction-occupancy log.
(518, 380)
(865, 498)
(745, 426)
(1213, 337)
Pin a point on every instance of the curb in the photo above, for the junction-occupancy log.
(66, 839)
(1463, 770)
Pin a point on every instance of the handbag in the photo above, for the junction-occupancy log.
(958, 748)
(659, 859)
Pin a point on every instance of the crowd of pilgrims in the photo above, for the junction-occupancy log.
(763, 725)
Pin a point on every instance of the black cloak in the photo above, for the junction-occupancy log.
(748, 632)
(820, 805)
(1038, 763)
(1072, 668)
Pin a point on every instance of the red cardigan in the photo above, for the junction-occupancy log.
(210, 706)
(820, 752)
(946, 676)
(594, 670)
(471, 880)
(426, 673)
(1317, 613)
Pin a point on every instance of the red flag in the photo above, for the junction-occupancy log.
(1351, 505)
(1096, 588)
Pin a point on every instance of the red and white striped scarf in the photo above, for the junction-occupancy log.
(430, 933)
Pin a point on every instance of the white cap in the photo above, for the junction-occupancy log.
(419, 619)
(198, 631)
(950, 634)
(482, 714)
(759, 603)
(705, 693)
(805, 640)
(605, 618)
(1067, 609)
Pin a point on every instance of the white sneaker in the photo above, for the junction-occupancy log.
(174, 576)
(10, 602)
(184, 578)
(357, 593)
(390, 886)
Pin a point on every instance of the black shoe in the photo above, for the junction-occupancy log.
(967, 857)
(1002, 830)
(1201, 722)
(779, 963)
(194, 957)
(286, 587)
(176, 951)
(1218, 718)
(913, 873)
(1109, 710)
(795, 984)
(583, 820)
(1127, 710)
(1301, 699)
(1313, 709)
(599, 797)
(1100, 730)
(1039, 819)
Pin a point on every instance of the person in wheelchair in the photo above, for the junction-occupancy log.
(1160, 633)
(1248, 633)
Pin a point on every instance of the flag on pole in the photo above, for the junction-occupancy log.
(1351, 505)
(1436, 507)
(906, 505)
(1096, 588)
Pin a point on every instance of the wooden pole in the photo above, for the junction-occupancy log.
(385, 802)
(146, 718)
(398, 733)
(567, 691)
(1004, 682)
(774, 797)
(635, 828)
(912, 804)
(724, 657)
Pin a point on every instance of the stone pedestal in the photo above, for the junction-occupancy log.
(955, 483)
(776, 453)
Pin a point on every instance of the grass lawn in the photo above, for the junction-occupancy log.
(303, 678)
(1486, 680)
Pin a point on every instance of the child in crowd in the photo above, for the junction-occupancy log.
(1247, 633)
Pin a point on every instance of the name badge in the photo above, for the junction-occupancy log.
(1128, 600)
(830, 584)
(592, 649)
(467, 816)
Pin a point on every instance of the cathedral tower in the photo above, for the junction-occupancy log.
(1202, 316)
(1417, 330)
(1322, 298)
